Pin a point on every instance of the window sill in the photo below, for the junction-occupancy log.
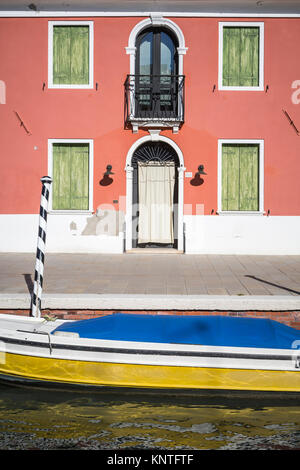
(241, 88)
(75, 211)
(241, 213)
(71, 87)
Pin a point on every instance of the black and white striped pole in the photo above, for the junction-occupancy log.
(40, 252)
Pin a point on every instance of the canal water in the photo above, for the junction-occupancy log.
(39, 419)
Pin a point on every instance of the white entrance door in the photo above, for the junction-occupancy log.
(156, 195)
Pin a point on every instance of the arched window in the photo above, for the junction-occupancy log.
(156, 70)
(156, 53)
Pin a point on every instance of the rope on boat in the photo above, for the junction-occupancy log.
(40, 252)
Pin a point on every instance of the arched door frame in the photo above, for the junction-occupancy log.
(154, 136)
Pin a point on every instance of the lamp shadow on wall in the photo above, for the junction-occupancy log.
(197, 180)
(106, 181)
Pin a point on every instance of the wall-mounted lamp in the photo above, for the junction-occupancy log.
(201, 170)
(197, 180)
(108, 170)
(106, 180)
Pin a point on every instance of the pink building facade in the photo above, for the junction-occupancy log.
(161, 129)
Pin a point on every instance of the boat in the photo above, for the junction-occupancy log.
(152, 351)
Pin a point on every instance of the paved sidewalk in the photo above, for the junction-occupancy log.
(157, 282)
(154, 281)
(148, 274)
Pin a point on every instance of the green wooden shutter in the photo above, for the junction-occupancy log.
(61, 55)
(80, 177)
(230, 174)
(249, 72)
(240, 177)
(61, 177)
(79, 55)
(71, 55)
(249, 165)
(240, 56)
(70, 177)
(225, 175)
(231, 56)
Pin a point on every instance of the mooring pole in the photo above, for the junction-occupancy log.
(40, 252)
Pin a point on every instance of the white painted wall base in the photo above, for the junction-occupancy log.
(19, 232)
(230, 234)
(242, 234)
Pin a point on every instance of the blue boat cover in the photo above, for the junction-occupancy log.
(211, 330)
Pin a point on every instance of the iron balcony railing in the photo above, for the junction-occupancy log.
(154, 97)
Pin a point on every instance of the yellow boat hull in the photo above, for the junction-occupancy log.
(65, 371)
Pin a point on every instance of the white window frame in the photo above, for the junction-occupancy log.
(260, 142)
(244, 24)
(51, 24)
(90, 142)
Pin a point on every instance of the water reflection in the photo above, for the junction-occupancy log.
(50, 419)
